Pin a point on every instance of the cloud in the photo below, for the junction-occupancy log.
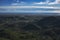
(57, 1)
(19, 3)
(48, 2)
(14, 4)
(39, 3)
(12, 7)
(37, 11)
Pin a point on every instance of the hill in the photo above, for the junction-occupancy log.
(32, 27)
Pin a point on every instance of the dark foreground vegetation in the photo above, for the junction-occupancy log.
(29, 27)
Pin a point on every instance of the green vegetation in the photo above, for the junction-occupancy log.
(29, 27)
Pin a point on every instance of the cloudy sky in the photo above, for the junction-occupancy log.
(8, 2)
(33, 6)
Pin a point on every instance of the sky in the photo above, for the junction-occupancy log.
(8, 2)
(29, 6)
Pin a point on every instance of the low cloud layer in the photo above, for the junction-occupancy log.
(6, 7)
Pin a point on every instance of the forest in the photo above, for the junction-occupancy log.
(29, 27)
